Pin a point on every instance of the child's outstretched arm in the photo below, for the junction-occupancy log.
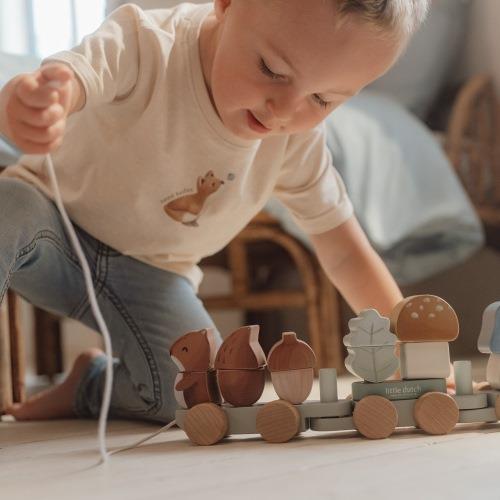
(355, 268)
(34, 107)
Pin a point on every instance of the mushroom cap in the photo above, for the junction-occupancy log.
(424, 318)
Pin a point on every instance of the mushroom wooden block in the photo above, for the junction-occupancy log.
(424, 325)
(291, 363)
(240, 365)
(194, 355)
(424, 318)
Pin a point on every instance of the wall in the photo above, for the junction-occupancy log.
(483, 40)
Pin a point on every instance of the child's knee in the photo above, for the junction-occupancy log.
(21, 201)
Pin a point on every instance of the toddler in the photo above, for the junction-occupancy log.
(169, 130)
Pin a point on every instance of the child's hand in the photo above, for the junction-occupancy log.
(37, 108)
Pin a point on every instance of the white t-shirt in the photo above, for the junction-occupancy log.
(147, 166)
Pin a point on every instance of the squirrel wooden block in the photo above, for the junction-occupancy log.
(291, 363)
(194, 355)
(240, 365)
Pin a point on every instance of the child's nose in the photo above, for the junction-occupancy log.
(283, 106)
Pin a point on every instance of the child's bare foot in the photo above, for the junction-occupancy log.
(56, 402)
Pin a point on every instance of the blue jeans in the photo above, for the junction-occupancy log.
(146, 309)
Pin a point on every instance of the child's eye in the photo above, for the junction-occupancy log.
(320, 101)
(265, 69)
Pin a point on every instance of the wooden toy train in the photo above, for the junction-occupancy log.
(420, 326)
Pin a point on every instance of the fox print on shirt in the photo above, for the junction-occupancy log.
(186, 209)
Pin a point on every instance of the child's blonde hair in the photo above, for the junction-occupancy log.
(401, 17)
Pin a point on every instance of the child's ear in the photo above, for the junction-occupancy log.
(220, 7)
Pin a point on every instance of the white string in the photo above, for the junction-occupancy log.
(108, 383)
(147, 438)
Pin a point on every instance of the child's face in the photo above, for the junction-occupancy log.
(280, 67)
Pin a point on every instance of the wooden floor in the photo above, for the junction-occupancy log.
(59, 460)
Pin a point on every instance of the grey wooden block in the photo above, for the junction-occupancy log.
(317, 409)
(332, 424)
(481, 415)
(398, 389)
(180, 415)
(463, 377)
(492, 397)
(471, 401)
(242, 420)
(404, 407)
(328, 385)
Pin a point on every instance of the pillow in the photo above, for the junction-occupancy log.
(425, 67)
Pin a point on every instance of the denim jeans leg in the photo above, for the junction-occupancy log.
(147, 309)
(36, 259)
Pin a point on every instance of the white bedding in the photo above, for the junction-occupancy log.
(404, 191)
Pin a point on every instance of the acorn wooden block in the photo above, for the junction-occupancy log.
(371, 346)
(291, 363)
(194, 355)
(420, 360)
(424, 318)
(240, 365)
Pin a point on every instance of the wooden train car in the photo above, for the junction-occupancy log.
(380, 409)
(420, 326)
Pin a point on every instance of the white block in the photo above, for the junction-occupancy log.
(328, 385)
(425, 360)
(493, 371)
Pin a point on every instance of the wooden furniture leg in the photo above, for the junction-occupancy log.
(5, 363)
(48, 344)
(16, 348)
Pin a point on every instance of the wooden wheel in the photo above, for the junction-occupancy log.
(436, 413)
(375, 417)
(206, 424)
(278, 421)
